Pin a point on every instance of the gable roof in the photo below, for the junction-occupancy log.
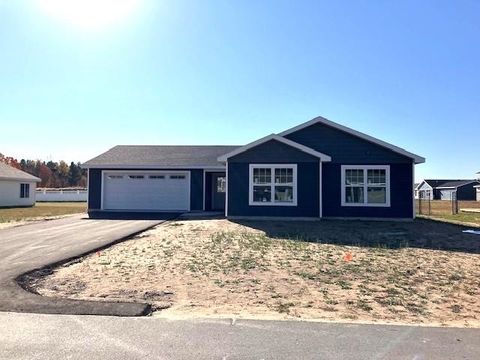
(8, 172)
(160, 156)
(448, 184)
(321, 120)
(275, 137)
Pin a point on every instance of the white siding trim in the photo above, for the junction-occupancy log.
(226, 189)
(88, 188)
(365, 168)
(320, 212)
(272, 184)
(414, 189)
(204, 190)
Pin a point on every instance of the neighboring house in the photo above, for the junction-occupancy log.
(319, 169)
(415, 191)
(444, 189)
(17, 188)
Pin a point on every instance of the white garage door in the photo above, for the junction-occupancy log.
(157, 191)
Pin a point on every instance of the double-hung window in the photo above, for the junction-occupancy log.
(365, 185)
(24, 191)
(273, 184)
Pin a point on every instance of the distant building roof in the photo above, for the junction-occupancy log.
(448, 183)
(160, 156)
(8, 172)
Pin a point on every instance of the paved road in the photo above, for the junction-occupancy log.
(30, 336)
(34, 246)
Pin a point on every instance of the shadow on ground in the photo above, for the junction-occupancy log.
(425, 234)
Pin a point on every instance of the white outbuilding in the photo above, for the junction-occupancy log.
(17, 188)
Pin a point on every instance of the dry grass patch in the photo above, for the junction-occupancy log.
(40, 211)
(222, 268)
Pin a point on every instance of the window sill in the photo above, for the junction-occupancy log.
(365, 205)
(251, 203)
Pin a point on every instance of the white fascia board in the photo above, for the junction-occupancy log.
(303, 148)
(153, 167)
(30, 180)
(416, 158)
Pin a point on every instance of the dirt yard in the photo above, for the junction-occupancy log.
(10, 217)
(443, 207)
(420, 272)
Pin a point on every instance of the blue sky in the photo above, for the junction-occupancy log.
(229, 72)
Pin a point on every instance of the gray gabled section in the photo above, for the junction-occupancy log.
(161, 156)
(8, 172)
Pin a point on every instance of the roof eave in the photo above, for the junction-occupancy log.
(149, 166)
(32, 179)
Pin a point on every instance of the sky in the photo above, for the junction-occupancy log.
(76, 80)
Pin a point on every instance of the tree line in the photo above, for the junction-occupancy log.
(53, 174)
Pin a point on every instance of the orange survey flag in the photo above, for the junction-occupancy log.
(348, 257)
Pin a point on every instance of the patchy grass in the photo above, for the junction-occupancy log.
(421, 272)
(460, 218)
(40, 210)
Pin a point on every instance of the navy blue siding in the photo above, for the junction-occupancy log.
(467, 192)
(307, 193)
(196, 189)
(274, 152)
(95, 187)
(401, 194)
(208, 191)
(343, 147)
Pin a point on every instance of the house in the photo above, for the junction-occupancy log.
(17, 188)
(319, 169)
(444, 189)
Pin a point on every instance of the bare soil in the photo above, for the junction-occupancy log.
(420, 272)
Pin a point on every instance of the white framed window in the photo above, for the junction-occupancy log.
(365, 185)
(273, 184)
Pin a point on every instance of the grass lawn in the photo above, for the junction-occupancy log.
(466, 218)
(420, 272)
(41, 210)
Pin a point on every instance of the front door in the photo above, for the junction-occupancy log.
(219, 184)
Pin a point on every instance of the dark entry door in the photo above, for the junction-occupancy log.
(219, 185)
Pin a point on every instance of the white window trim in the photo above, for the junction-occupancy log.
(272, 167)
(365, 185)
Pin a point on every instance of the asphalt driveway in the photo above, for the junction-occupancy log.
(32, 336)
(29, 247)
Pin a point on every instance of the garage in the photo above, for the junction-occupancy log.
(146, 191)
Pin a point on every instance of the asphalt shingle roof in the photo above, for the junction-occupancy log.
(448, 183)
(8, 172)
(160, 156)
